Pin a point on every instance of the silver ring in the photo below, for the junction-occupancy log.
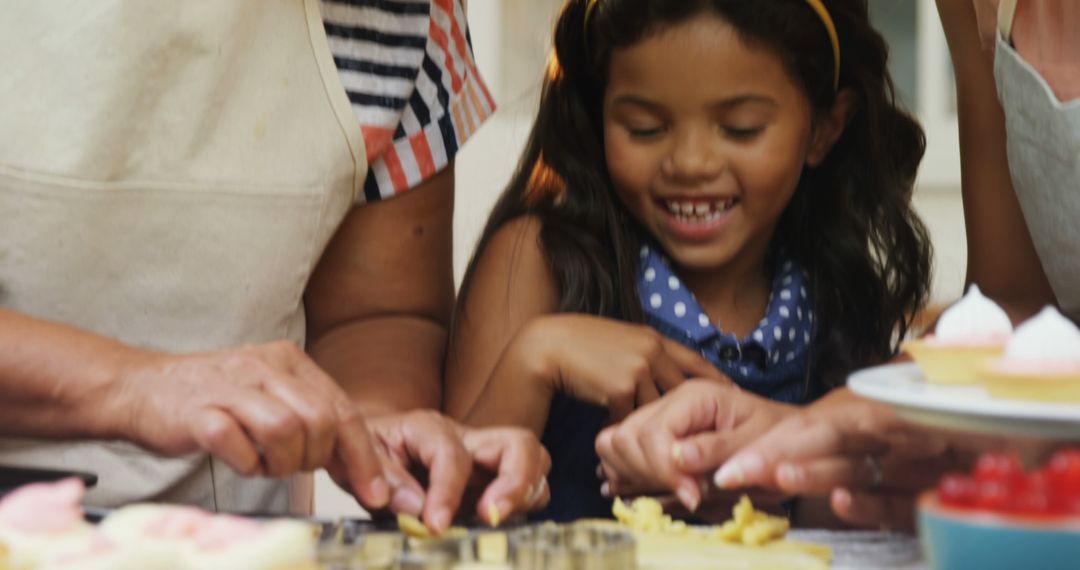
(877, 474)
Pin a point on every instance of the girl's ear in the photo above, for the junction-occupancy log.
(827, 129)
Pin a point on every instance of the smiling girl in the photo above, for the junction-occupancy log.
(712, 188)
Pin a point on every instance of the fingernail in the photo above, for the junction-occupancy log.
(841, 499)
(737, 472)
(685, 454)
(790, 475)
(538, 492)
(408, 501)
(688, 498)
(440, 521)
(600, 472)
(496, 509)
(379, 491)
(605, 490)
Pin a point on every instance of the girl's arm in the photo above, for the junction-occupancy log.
(510, 286)
(510, 354)
(1001, 257)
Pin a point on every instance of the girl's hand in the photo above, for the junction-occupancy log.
(610, 363)
(871, 463)
(676, 443)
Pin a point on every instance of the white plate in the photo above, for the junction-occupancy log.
(968, 408)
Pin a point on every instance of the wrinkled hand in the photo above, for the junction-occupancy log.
(614, 364)
(508, 465)
(676, 443)
(265, 410)
(870, 463)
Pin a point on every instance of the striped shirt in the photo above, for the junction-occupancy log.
(408, 69)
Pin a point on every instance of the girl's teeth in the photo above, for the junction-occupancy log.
(699, 211)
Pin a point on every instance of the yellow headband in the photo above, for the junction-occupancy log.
(826, 19)
(818, 7)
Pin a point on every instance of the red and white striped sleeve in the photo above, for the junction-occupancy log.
(408, 69)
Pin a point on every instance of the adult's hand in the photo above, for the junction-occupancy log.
(265, 410)
(678, 441)
(511, 471)
(870, 463)
(508, 466)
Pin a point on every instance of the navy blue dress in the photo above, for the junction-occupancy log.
(771, 361)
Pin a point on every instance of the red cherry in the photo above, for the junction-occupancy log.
(1033, 501)
(994, 496)
(957, 490)
(1003, 468)
(1063, 473)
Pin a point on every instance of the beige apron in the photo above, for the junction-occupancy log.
(1043, 143)
(170, 173)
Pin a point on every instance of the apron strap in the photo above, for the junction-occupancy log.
(1006, 13)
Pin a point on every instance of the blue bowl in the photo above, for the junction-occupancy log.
(967, 539)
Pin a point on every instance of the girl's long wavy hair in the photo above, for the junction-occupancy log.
(850, 223)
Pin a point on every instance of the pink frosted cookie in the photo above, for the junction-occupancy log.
(41, 520)
(234, 542)
(155, 533)
(99, 553)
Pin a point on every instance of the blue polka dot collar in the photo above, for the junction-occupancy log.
(781, 337)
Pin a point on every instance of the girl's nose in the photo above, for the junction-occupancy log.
(693, 158)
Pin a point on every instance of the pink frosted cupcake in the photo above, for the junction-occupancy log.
(1041, 361)
(968, 334)
(40, 520)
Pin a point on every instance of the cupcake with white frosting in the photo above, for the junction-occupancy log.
(1041, 361)
(968, 334)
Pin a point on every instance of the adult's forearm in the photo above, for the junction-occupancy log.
(57, 381)
(386, 364)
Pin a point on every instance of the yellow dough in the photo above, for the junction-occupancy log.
(751, 540)
(411, 527)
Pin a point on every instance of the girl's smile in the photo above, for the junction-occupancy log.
(698, 218)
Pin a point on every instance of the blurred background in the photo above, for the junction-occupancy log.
(511, 39)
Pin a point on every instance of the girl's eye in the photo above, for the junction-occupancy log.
(645, 133)
(743, 134)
